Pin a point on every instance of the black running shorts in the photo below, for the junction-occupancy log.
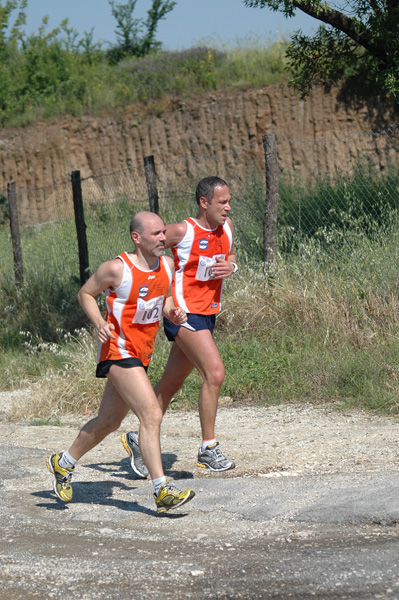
(127, 363)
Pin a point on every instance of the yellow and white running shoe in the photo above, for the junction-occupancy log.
(62, 478)
(170, 497)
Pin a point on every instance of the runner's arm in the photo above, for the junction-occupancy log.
(108, 275)
(175, 232)
(174, 313)
(226, 267)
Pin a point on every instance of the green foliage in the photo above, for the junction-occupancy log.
(316, 333)
(325, 53)
(128, 29)
(248, 209)
(167, 73)
(6, 11)
(254, 62)
(54, 72)
(322, 325)
(42, 306)
(39, 422)
(360, 45)
(48, 83)
(328, 210)
(45, 73)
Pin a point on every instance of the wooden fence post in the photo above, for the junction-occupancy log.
(80, 227)
(14, 226)
(151, 178)
(270, 216)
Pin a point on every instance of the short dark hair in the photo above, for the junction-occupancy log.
(206, 187)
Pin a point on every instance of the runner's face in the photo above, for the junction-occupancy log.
(219, 207)
(153, 237)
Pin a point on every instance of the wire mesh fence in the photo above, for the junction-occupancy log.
(353, 183)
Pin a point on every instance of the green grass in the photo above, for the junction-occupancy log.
(307, 333)
(65, 82)
(330, 209)
(253, 62)
(322, 325)
(39, 422)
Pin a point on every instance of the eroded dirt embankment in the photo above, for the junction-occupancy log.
(214, 123)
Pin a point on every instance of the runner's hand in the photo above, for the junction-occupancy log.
(177, 315)
(104, 332)
(221, 269)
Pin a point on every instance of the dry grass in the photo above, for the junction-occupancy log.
(328, 309)
(69, 385)
(309, 330)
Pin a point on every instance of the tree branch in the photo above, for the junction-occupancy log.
(351, 27)
(375, 6)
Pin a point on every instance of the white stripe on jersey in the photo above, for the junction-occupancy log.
(167, 269)
(123, 291)
(227, 229)
(183, 254)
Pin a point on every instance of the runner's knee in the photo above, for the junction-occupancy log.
(215, 377)
(108, 425)
(151, 418)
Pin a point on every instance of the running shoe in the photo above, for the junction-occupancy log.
(214, 459)
(62, 477)
(130, 442)
(170, 497)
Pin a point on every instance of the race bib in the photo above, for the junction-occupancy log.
(148, 311)
(204, 266)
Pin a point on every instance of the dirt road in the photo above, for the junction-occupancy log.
(311, 510)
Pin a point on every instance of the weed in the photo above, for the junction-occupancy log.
(323, 324)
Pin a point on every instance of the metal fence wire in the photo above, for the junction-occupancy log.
(327, 187)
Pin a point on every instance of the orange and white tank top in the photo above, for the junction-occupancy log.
(193, 289)
(135, 309)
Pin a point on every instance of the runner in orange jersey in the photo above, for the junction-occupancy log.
(137, 287)
(204, 256)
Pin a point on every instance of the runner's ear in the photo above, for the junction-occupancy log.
(203, 202)
(135, 236)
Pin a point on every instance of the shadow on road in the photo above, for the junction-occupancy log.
(101, 492)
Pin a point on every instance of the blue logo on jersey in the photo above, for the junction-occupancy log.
(214, 305)
(203, 244)
(143, 291)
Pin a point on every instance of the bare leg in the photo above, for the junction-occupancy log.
(111, 413)
(194, 349)
(177, 369)
(126, 389)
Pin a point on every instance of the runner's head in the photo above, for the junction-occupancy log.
(213, 198)
(206, 188)
(147, 231)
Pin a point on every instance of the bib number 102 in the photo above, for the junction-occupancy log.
(149, 311)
